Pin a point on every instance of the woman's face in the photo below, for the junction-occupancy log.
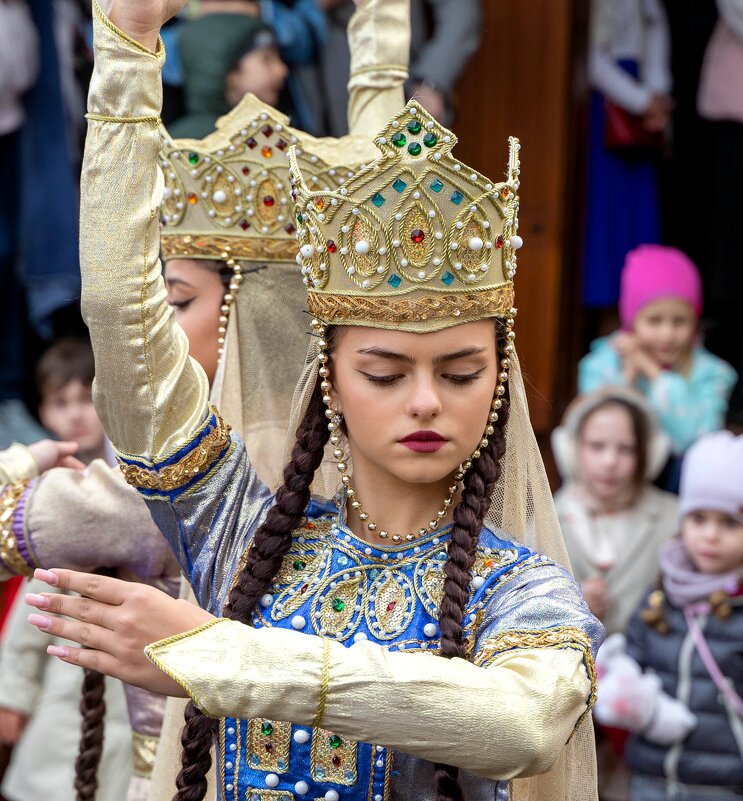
(196, 292)
(607, 454)
(415, 405)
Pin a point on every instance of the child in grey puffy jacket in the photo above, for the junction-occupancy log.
(677, 685)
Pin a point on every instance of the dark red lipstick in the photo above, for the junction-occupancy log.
(424, 441)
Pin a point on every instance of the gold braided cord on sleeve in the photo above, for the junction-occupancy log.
(105, 118)
(10, 555)
(324, 683)
(374, 68)
(560, 637)
(474, 305)
(174, 476)
(144, 748)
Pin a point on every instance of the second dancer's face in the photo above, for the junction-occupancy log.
(195, 292)
(415, 405)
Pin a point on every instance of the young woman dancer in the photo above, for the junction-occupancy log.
(416, 562)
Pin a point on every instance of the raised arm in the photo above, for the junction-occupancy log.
(150, 395)
(379, 41)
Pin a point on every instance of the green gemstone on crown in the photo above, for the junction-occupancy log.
(399, 185)
(414, 148)
(430, 140)
(299, 564)
(334, 741)
(267, 728)
(394, 281)
(193, 158)
(378, 200)
(437, 185)
(447, 278)
(398, 139)
(338, 604)
(414, 126)
(457, 198)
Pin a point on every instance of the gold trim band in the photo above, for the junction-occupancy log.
(10, 555)
(144, 748)
(454, 306)
(213, 246)
(177, 475)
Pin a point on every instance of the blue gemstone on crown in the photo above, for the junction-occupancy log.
(437, 185)
(394, 280)
(457, 198)
(447, 278)
(378, 200)
(399, 185)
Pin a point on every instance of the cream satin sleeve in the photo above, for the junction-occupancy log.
(518, 702)
(150, 395)
(81, 520)
(379, 41)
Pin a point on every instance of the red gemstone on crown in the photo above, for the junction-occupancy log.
(499, 242)
(251, 143)
(391, 606)
(332, 247)
(269, 747)
(267, 130)
(282, 145)
(289, 228)
(246, 170)
(303, 589)
(336, 760)
(417, 235)
(268, 200)
(244, 224)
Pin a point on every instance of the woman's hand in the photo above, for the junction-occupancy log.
(48, 454)
(141, 19)
(114, 620)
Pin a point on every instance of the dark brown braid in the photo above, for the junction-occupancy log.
(271, 543)
(469, 515)
(93, 711)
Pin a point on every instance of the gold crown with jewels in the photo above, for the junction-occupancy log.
(415, 239)
(230, 191)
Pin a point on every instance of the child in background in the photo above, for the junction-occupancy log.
(657, 351)
(40, 696)
(608, 450)
(685, 709)
(64, 377)
(225, 56)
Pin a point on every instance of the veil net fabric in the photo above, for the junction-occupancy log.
(522, 507)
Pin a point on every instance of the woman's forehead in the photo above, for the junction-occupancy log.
(478, 335)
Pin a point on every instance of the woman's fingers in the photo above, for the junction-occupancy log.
(87, 634)
(83, 609)
(99, 588)
(89, 658)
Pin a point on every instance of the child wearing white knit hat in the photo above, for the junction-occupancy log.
(677, 684)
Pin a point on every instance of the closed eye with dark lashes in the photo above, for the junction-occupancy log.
(389, 380)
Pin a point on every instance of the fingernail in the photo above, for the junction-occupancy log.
(56, 650)
(42, 621)
(46, 576)
(40, 601)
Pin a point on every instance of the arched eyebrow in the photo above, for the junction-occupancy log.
(177, 282)
(405, 357)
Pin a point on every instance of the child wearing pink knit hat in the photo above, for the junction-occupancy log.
(657, 351)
